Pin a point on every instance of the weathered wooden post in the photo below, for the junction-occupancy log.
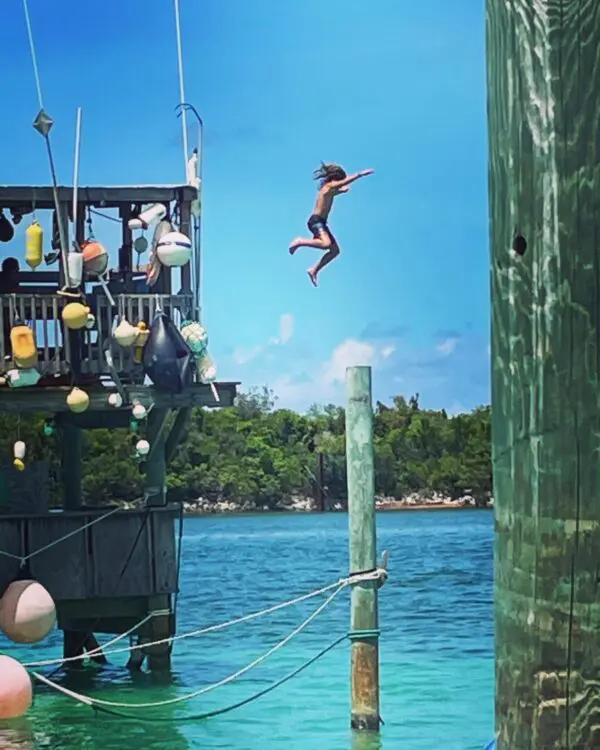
(364, 626)
(544, 177)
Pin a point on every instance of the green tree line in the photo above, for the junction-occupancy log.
(255, 453)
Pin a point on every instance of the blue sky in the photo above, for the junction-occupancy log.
(396, 86)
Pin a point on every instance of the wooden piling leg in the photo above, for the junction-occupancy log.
(544, 179)
(73, 646)
(364, 632)
(155, 480)
(90, 644)
(160, 627)
(71, 440)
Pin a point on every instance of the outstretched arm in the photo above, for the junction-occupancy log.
(340, 184)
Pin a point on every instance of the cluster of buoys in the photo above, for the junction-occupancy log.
(27, 615)
(138, 414)
(196, 337)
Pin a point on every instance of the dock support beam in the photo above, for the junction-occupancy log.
(544, 178)
(156, 469)
(364, 632)
(71, 440)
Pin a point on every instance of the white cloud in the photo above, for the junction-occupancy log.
(387, 351)
(447, 346)
(286, 331)
(348, 354)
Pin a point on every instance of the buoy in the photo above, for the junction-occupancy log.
(27, 612)
(195, 336)
(139, 412)
(24, 348)
(115, 400)
(75, 315)
(78, 400)
(90, 321)
(34, 242)
(7, 231)
(140, 342)
(142, 448)
(95, 258)
(22, 377)
(16, 691)
(75, 267)
(140, 245)
(19, 455)
(154, 212)
(48, 428)
(174, 249)
(125, 334)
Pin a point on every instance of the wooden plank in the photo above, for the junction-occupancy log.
(24, 492)
(105, 197)
(62, 569)
(53, 398)
(544, 169)
(164, 553)
(120, 554)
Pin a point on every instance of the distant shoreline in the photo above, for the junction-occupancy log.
(388, 508)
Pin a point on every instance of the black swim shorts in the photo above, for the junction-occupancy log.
(317, 224)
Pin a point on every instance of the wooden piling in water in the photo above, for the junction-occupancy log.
(544, 177)
(364, 626)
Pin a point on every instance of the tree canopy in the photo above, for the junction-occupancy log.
(258, 454)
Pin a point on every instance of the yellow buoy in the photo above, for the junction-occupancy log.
(75, 315)
(34, 240)
(78, 400)
(24, 347)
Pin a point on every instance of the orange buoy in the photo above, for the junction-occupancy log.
(95, 258)
(16, 691)
(27, 612)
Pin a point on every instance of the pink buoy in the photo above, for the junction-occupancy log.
(27, 612)
(16, 692)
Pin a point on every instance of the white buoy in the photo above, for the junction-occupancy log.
(115, 400)
(139, 412)
(27, 612)
(174, 249)
(155, 212)
(16, 692)
(142, 448)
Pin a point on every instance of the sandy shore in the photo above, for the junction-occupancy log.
(425, 506)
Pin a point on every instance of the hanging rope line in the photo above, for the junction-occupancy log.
(376, 575)
(181, 86)
(198, 717)
(23, 559)
(36, 72)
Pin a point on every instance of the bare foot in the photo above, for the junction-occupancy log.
(295, 244)
(312, 276)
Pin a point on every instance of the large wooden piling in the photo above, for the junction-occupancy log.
(364, 627)
(544, 176)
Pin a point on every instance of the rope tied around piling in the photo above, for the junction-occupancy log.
(378, 574)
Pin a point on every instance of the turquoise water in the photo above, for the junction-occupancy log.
(436, 650)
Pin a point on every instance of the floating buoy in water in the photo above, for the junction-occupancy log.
(78, 400)
(19, 455)
(95, 258)
(24, 348)
(142, 448)
(16, 691)
(125, 334)
(75, 315)
(27, 612)
(115, 400)
(34, 241)
(174, 249)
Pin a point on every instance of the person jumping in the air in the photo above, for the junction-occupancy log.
(334, 181)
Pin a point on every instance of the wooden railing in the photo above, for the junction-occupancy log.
(43, 313)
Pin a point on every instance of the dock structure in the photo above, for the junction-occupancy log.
(544, 177)
(123, 568)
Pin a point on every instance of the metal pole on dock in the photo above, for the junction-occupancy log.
(364, 626)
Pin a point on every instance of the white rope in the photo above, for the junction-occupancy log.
(341, 583)
(78, 530)
(93, 652)
(36, 71)
(181, 86)
(202, 691)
